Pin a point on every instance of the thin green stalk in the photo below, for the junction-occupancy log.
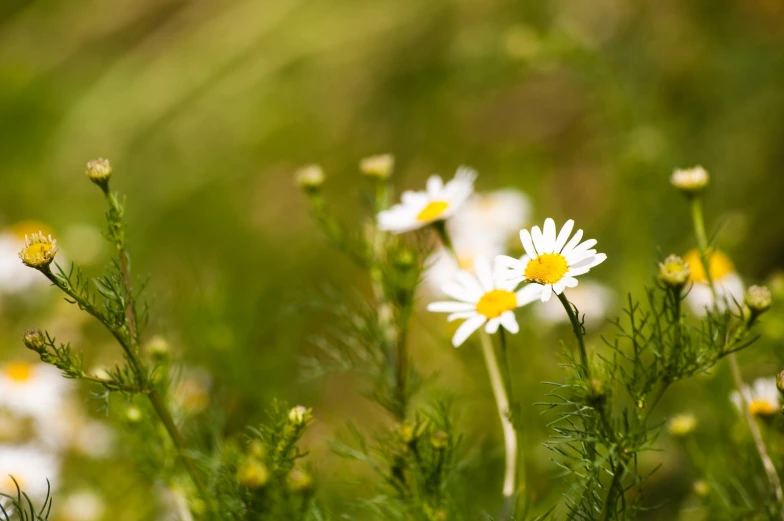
(759, 443)
(510, 436)
(579, 333)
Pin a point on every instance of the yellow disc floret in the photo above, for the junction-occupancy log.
(548, 268)
(432, 211)
(719, 264)
(39, 250)
(762, 407)
(495, 303)
(18, 371)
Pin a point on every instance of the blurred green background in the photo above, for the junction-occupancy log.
(206, 108)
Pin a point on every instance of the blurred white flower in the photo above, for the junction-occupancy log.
(438, 202)
(762, 398)
(726, 282)
(551, 259)
(484, 299)
(84, 505)
(191, 391)
(72, 429)
(32, 389)
(30, 466)
(593, 299)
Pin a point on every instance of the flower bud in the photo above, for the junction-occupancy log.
(38, 251)
(690, 181)
(674, 271)
(35, 340)
(380, 166)
(99, 171)
(310, 178)
(300, 416)
(758, 299)
(158, 348)
(439, 440)
(682, 425)
(299, 481)
(252, 473)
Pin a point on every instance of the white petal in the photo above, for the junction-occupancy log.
(492, 325)
(434, 185)
(538, 238)
(466, 328)
(460, 315)
(563, 236)
(582, 248)
(569, 282)
(509, 322)
(450, 307)
(416, 199)
(459, 292)
(508, 262)
(484, 273)
(529, 293)
(471, 284)
(547, 291)
(558, 287)
(528, 243)
(549, 235)
(572, 243)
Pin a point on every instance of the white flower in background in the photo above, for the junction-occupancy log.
(762, 398)
(84, 505)
(191, 391)
(483, 300)
(550, 260)
(32, 389)
(726, 282)
(438, 202)
(15, 277)
(592, 298)
(690, 180)
(30, 466)
(482, 228)
(71, 429)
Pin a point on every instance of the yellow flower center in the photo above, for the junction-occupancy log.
(719, 264)
(18, 371)
(36, 251)
(762, 407)
(432, 211)
(547, 269)
(495, 303)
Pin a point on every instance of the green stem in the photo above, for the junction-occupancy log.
(440, 228)
(579, 333)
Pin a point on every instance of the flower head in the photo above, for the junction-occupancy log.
(762, 398)
(300, 416)
(29, 467)
(39, 250)
(682, 424)
(440, 201)
(99, 171)
(726, 283)
(674, 271)
(759, 299)
(32, 389)
(380, 166)
(552, 260)
(310, 178)
(690, 180)
(483, 300)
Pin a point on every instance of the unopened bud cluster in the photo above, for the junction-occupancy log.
(674, 272)
(690, 181)
(758, 299)
(380, 166)
(99, 171)
(34, 339)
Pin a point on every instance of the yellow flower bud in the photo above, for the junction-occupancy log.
(34, 339)
(380, 166)
(99, 171)
(38, 251)
(252, 473)
(674, 271)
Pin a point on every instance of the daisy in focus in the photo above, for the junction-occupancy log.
(762, 398)
(31, 467)
(726, 282)
(437, 203)
(551, 259)
(483, 300)
(32, 389)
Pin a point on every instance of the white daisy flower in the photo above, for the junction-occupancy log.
(484, 300)
(762, 398)
(30, 466)
(726, 283)
(552, 260)
(32, 389)
(589, 295)
(440, 201)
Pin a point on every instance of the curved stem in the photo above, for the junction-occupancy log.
(510, 436)
(579, 333)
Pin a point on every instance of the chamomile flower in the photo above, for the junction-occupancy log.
(551, 260)
(762, 398)
(437, 203)
(726, 282)
(15, 277)
(484, 300)
(31, 467)
(32, 389)
(443, 266)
